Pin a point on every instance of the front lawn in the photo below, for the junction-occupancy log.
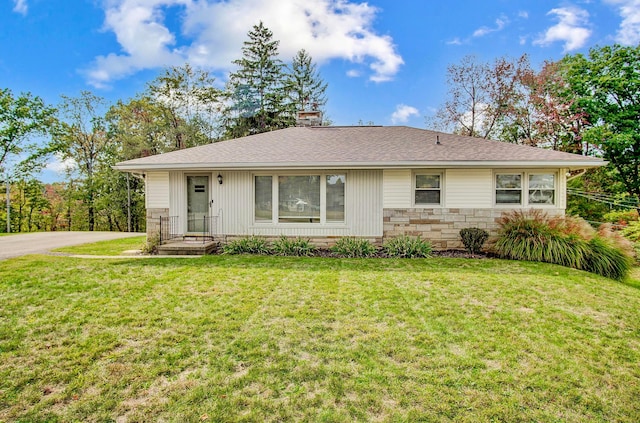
(106, 248)
(232, 338)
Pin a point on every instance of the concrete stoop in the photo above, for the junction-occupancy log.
(187, 248)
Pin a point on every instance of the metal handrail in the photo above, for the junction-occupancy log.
(169, 228)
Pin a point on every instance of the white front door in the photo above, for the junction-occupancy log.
(197, 203)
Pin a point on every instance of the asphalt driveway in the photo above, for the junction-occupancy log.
(42, 242)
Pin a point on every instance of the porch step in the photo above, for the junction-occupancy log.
(187, 248)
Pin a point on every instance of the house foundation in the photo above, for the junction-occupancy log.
(442, 226)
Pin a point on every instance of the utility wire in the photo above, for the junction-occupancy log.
(629, 203)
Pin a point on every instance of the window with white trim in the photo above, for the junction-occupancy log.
(299, 198)
(509, 188)
(542, 188)
(528, 188)
(428, 188)
(263, 209)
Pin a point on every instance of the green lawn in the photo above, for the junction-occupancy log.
(227, 338)
(106, 248)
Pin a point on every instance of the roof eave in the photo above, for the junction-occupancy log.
(570, 164)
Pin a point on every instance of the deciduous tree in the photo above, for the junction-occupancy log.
(189, 103)
(21, 117)
(606, 85)
(83, 138)
(481, 96)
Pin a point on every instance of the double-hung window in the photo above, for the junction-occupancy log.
(509, 188)
(542, 188)
(526, 188)
(312, 199)
(428, 189)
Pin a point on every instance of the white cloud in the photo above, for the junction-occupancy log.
(403, 113)
(353, 73)
(455, 42)
(61, 166)
(523, 14)
(501, 22)
(215, 30)
(20, 6)
(629, 32)
(572, 28)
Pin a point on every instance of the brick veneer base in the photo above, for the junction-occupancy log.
(442, 226)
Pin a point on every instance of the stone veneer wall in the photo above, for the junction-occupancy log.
(442, 227)
(153, 221)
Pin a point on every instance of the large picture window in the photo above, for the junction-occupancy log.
(428, 189)
(300, 198)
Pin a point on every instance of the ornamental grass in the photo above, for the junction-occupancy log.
(567, 241)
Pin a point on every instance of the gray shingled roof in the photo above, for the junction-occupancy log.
(357, 147)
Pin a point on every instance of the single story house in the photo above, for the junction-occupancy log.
(372, 182)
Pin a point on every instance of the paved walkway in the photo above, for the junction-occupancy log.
(43, 242)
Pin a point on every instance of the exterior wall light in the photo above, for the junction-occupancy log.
(219, 179)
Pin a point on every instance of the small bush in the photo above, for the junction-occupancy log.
(151, 245)
(406, 247)
(354, 248)
(293, 247)
(473, 239)
(247, 245)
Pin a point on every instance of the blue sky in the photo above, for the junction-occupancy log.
(384, 60)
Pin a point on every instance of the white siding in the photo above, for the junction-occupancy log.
(397, 189)
(178, 198)
(468, 188)
(233, 201)
(364, 203)
(157, 190)
(561, 195)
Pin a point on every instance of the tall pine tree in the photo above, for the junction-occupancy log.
(305, 86)
(257, 90)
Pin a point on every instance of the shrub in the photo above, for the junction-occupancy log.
(247, 245)
(406, 247)
(621, 217)
(293, 247)
(151, 244)
(565, 241)
(354, 247)
(473, 239)
(632, 231)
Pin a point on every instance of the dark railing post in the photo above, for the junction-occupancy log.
(160, 230)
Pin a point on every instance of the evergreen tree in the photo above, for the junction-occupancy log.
(305, 86)
(257, 90)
